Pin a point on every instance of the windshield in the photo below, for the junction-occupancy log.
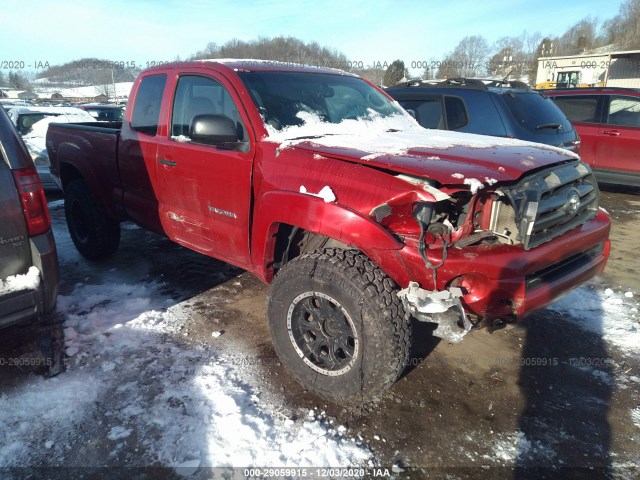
(290, 99)
(536, 113)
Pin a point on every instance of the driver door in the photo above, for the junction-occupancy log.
(205, 190)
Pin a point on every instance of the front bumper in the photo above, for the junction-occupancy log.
(507, 282)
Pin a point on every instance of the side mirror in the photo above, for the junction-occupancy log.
(411, 112)
(213, 130)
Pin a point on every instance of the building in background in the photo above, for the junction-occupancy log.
(610, 69)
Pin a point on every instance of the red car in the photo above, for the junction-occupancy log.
(608, 122)
(316, 181)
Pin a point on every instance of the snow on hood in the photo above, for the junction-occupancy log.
(398, 142)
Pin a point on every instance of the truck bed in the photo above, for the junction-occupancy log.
(90, 150)
(103, 127)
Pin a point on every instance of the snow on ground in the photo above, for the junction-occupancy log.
(132, 382)
(614, 315)
(180, 403)
(135, 393)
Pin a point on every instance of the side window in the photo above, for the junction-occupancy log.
(428, 111)
(579, 108)
(146, 109)
(196, 95)
(624, 111)
(484, 116)
(456, 113)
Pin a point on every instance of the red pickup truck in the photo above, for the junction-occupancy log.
(318, 182)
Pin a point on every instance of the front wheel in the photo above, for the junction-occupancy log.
(93, 233)
(338, 325)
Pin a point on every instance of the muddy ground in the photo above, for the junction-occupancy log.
(459, 409)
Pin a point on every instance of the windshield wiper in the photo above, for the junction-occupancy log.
(555, 126)
(311, 137)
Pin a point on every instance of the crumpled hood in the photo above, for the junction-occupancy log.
(447, 157)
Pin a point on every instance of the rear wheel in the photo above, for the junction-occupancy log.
(338, 325)
(93, 233)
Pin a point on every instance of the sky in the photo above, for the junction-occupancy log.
(366, 31)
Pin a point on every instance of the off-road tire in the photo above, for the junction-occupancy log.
(93, 233)
(369, 297)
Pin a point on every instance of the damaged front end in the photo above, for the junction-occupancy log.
(442, 307)
(471, 243)
(432, 222)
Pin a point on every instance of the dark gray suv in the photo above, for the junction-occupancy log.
(28, 258)
(487, 107)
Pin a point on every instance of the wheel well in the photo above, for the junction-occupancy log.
(68, 173)
(291, 242)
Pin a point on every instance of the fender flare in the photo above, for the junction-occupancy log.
(315, 215)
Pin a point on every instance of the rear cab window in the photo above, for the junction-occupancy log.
(146, 109)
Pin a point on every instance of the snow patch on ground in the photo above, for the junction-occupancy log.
(42, 409)
(516, 447)
(17, 283)
(610, 314)
(183, 403)
(635, 416)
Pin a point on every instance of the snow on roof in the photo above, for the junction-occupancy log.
(258, 64)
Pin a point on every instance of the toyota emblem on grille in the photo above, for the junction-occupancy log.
(573, 202)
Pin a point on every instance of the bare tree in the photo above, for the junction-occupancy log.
(630, 13)
(579, 38)
(514, 57)
(468, 58)
(374, 75)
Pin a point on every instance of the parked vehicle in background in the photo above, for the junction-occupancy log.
(608, 122)
(28, 259)
(487, 107)
(104, 113)
(32, 124)
(8, 104)
(317, 182)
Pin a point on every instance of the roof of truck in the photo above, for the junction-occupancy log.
(254, 65)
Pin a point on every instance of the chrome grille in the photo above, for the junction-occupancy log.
(551, 202)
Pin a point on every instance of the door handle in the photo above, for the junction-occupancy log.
(168, 163)
(611, 133)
